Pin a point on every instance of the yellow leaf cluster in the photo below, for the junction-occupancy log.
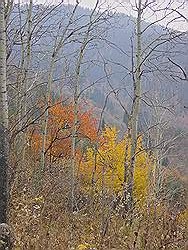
(106, 165)
(39, 199)
(84, 246)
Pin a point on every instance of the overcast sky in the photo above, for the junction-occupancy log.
(127, 6)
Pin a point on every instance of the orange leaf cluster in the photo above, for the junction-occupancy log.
(59, 130)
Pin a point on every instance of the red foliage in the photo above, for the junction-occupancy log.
(60, 126)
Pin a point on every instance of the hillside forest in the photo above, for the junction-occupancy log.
(93, 125)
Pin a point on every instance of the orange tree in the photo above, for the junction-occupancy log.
(60, 125)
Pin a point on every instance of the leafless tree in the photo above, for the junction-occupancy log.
(149, 51)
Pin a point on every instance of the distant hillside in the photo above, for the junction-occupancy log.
(115, 48)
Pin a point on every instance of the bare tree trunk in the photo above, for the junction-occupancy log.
(5, 231)
(45, 123)
(76, 121)
(57, 47)
(135, 111)
(4, 148)
(26, 69)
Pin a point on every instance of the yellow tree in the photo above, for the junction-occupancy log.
(107, 165)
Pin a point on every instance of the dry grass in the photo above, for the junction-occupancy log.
(43, 219)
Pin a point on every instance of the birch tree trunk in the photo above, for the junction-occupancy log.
(58, 46)
(4, 148)
(76, 97)
(26, 69)
(76, 121)
(135, 111)
(45, 123)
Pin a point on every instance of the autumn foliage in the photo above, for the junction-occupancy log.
(59, 131)
(98, 217)
(100, 157)
(105, 165)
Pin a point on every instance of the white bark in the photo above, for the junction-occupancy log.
(135, 110)
(26, 74)
(76, 121)
(57, 47)
(4, 98)
(4, 120)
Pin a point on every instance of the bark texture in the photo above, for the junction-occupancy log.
(3, 118)
(133, 130)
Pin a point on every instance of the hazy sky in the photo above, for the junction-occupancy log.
(127, 6)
